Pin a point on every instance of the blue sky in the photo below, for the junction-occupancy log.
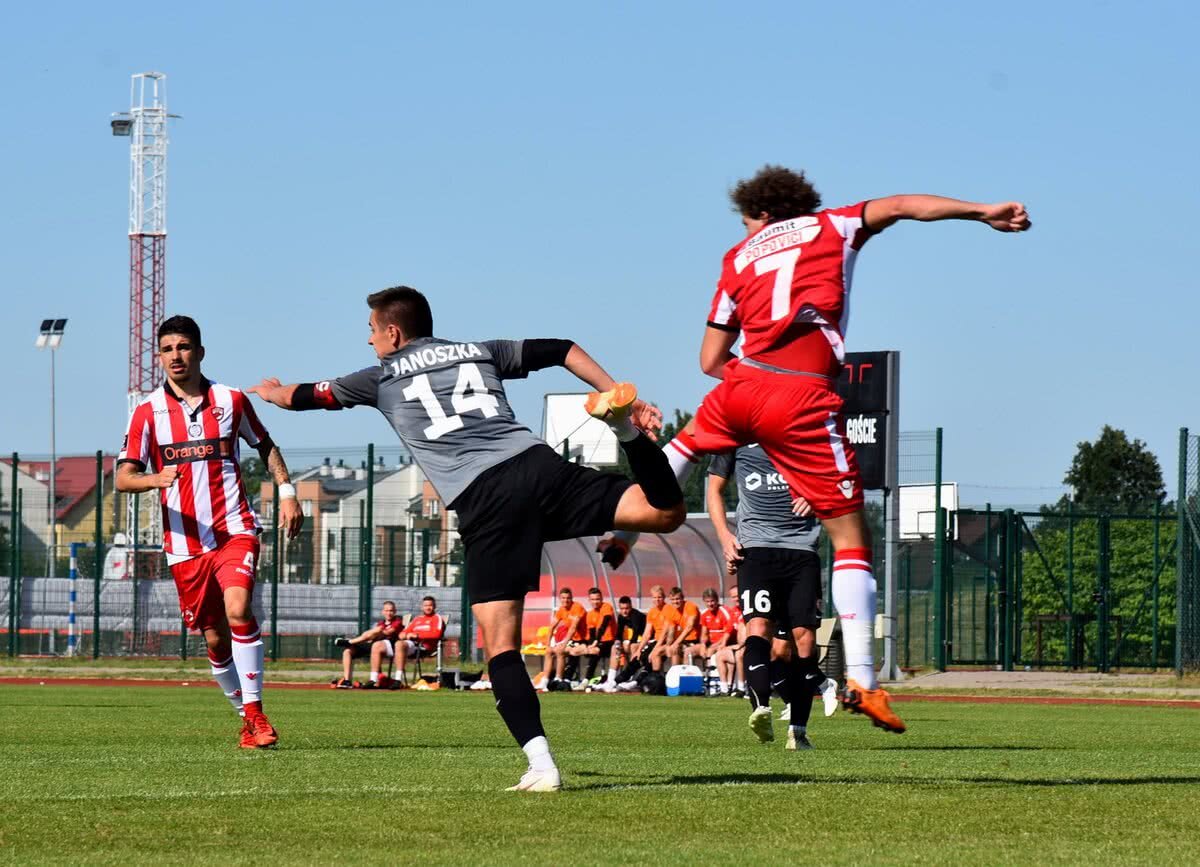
(544, 169)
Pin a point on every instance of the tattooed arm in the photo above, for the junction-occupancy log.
(290, 516)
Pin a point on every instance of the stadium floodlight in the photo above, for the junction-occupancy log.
(50, 337)
(51, 333)
(121, 125)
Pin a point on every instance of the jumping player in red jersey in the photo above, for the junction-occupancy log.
(785, 288)
(183, 441)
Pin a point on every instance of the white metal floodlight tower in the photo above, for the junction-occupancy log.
(146, 125)
(50, 337)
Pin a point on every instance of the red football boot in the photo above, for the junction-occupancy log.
(264, 733)
(247, 742)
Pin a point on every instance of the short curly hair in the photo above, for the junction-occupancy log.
(778, 192)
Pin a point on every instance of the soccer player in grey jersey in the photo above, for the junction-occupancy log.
(779, 581)
(445, 400)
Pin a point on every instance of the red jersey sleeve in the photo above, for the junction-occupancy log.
(723, 312)
(138, 439)
(850, 224)
(249, 428)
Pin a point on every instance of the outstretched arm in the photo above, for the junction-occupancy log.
(298, 396)
(1002, 216)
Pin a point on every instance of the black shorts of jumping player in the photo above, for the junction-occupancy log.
(508, 512)
(782, 585)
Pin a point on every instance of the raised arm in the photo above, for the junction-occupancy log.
(878, 214)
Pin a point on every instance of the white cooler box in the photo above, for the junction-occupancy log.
(685, 680)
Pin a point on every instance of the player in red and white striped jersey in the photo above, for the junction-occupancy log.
(183, 441)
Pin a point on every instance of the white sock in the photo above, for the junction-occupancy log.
(681, 458)
(623, 428)
(854, 597)
(226, 676)
(538, 751)
(612, 675)
(248, 657)
(374, 677)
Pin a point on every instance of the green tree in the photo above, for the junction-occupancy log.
(1112, 475)
(254, 473)
(1115, 474)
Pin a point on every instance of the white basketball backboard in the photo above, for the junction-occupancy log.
(917, 513)
(590, 440)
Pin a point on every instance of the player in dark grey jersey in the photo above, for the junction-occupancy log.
(445, 400)
(779, 581)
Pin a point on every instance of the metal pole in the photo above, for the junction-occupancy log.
(891, 522)
(369, 549)
(134, 571)
(939, 565)
(908, 608)
(363, 607)
(1102, 591)
(1071, 578)
(52, 566)
(466, 628)
(276, 571)
(98, 551)
(14, 536)
(1006, 586)
(72, 635)
(425, 557)
(14, 601)
(1181, 542)
(1154, 578)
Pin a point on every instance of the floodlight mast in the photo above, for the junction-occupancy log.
(146, 125)
(147, 229)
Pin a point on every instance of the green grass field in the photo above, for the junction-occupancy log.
(152, 774)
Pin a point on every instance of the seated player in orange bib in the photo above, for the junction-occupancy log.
(601, 624)
(682, 630)
(567, 624)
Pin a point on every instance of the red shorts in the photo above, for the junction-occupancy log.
(202, 581)
(797, 420)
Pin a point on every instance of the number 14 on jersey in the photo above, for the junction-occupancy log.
(470, 394)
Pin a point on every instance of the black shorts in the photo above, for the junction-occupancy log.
(781, 584)
(511, 509)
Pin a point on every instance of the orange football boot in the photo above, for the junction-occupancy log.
(613, 404)
(874, 703)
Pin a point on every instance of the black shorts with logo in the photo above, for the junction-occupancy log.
(782, 584)
(511, 509)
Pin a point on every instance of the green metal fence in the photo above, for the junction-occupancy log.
(1051, 588)
(373, 528)
(1061, 589)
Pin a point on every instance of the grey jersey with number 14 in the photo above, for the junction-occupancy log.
(764, 512)
(445, 400)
